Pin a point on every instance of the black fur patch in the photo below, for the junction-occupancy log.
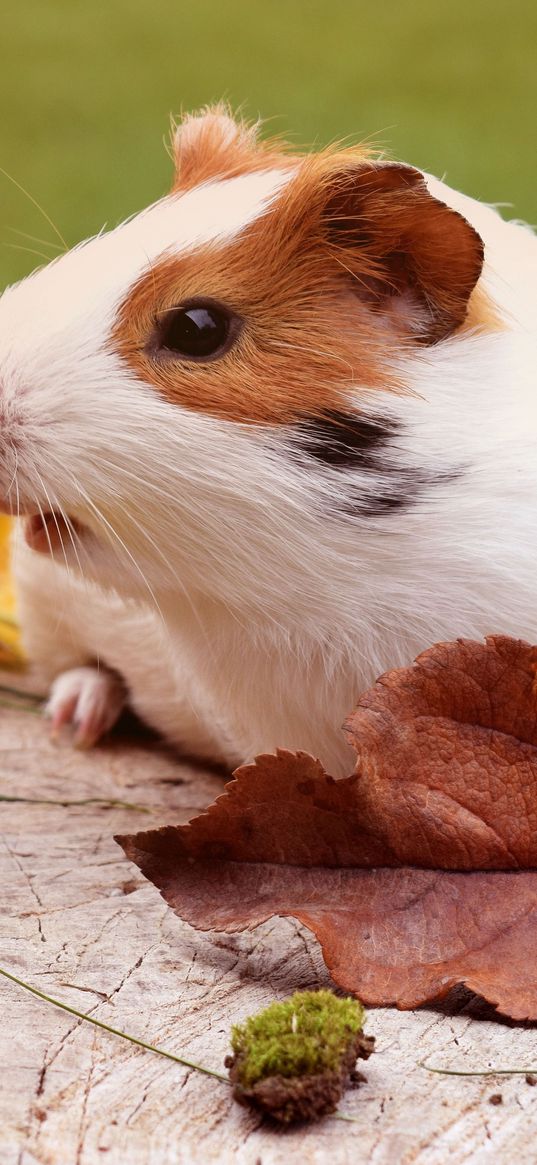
(343, 441)
(346, 441)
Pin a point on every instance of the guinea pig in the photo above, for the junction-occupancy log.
(270, 437)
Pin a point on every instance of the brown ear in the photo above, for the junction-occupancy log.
(211, 144)
(408, 252)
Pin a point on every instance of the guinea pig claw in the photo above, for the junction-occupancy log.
(87, 733)
(89, 698)
(61, 714)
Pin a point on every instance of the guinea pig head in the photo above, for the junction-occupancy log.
(187, 400)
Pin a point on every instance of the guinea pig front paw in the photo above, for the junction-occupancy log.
(89, 698)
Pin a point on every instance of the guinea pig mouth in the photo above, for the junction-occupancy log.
(50, 531)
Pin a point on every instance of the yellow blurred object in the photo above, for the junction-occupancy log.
(11, 652)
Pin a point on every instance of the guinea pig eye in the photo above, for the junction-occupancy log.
(201, 330)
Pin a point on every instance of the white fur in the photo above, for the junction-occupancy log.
(245, 604)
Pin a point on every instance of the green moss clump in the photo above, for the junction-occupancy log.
(294, 1059)
(305, 1034)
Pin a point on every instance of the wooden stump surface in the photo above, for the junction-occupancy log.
(79, 922)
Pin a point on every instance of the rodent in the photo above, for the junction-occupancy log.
(269, 438)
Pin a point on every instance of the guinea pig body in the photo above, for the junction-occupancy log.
(271, 437)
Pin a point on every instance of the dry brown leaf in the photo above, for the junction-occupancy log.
(448, 749)
(447, 781)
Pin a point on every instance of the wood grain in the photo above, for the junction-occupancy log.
(79, 922)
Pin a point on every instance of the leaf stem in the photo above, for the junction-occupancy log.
(477, 1071)
(22, 695)
(110, 804)
(113, 1030)
(20, 706)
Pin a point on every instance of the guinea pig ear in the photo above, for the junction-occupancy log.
(211, 144)
(409, 254)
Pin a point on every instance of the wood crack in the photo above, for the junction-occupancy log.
(92, 1100)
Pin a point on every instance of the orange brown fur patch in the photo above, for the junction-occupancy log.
(301, 340)
(483, 314)
(319, 281)
(213, 145)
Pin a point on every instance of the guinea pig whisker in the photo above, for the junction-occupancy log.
(147, 537)
(13, 481)
(17, 485)
(72, 535)
(50, 549)
(103, 521)
(45, 526)
(55, 520)
(28, 250)
(35, 238)
(37, 205)
(146, 485)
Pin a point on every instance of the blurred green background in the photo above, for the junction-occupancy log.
(86, 91)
